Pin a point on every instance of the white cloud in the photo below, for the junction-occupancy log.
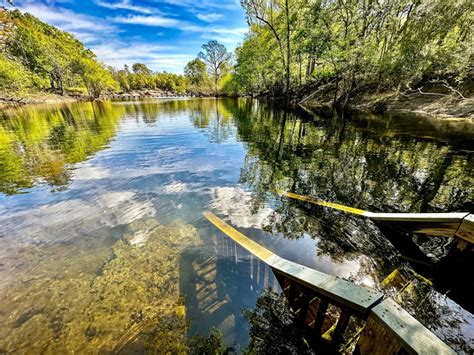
(88, 29)
(173, 63)
(155, 21)
(239, 31)
(235, 203)
(125, 5)
(67, 20)
(204, 4)
(192, 28)
(211, 17)
(108, 38)
(228, 36)
(114, 49)
(87, 37)
(116, 53)
(230, 43)
(225, 35)
(232, 35)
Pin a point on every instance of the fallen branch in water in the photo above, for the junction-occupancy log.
(450, 88)
(316, 92)
(420, 92)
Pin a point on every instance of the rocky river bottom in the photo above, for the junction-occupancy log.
(113, 299)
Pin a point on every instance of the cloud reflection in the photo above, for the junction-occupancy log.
(234, 203)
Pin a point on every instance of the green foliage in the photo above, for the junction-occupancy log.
(96, 78)
(13, 76)
(195, 72)
(171, 82)
(140, 68)
(211, 71)
(273, 329)
(208, 345)
(361, 45)
(37, 56)
(352, 46)
(142, 78)
(230, 85)
(217, 60)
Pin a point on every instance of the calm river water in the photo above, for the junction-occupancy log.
(103, 247)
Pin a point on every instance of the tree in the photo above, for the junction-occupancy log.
(195, 72)
(45, 56)
(121, 77)
(96, 78)
(217, 58)
(268, 13)
(140, 68)
(351, 47)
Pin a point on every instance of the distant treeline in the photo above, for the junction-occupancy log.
(293, 47)
(141, 77)
(35, 57)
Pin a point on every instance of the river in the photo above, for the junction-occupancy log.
(103, 246)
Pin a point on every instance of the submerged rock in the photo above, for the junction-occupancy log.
(130, 301)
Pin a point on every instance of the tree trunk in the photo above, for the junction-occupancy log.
(51, 81)
(61, 86)
(300, 69)
(216, 80)
(288, 47)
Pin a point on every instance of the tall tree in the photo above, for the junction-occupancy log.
(217, 58)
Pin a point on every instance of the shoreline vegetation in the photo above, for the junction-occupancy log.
(398, 56)
(440, 107)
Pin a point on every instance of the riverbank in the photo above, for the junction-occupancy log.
(52, 98)
(440, 106)
(36, 99)
(444, 107)
(431, 99)
(150, 93)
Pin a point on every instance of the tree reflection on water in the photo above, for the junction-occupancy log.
(386, 164)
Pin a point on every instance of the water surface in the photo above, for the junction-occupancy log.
(103, 246)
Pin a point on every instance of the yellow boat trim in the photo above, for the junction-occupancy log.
(389, 278)
(324, 203)
(421, 277)
(253, 247)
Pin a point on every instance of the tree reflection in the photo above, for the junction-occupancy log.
(370, 164)
(212, 117)
(378, 164)
(38, 144)
(338, 160)
(273, 327)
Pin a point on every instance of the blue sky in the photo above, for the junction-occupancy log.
(164, 34)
